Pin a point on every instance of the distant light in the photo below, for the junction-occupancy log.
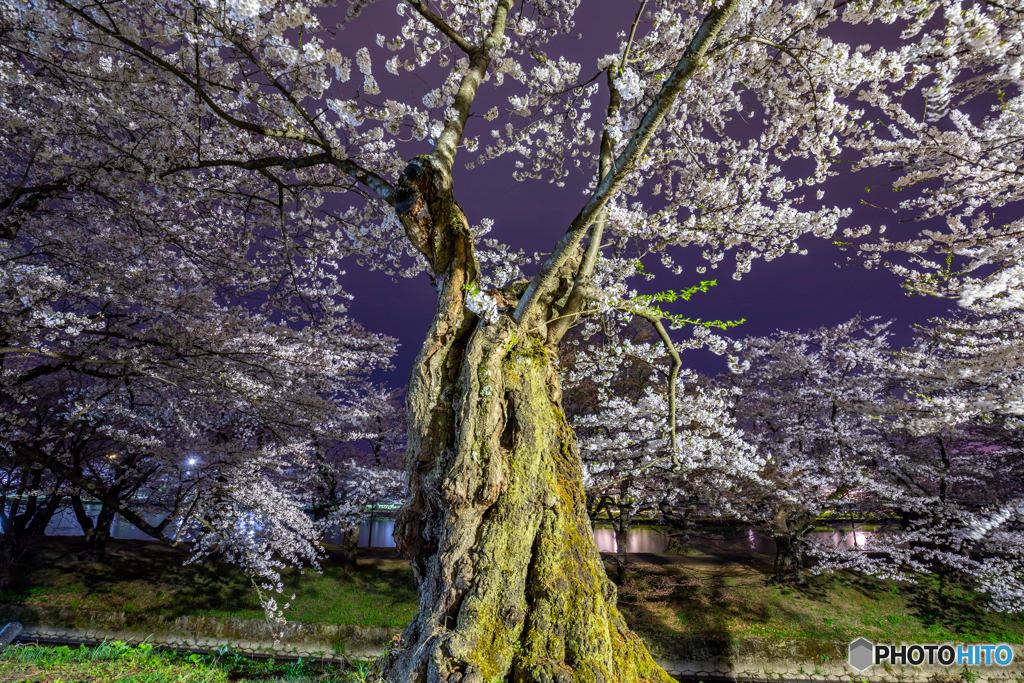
(192, 461)
(112, 456)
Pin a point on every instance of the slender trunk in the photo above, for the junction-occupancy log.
(20, 521)
(511, 584)
(622, 527)
(789, 560)
(678, 527)
(101, 532)
(84, 520)
(96, 534)
(9, 552)
(8, 547)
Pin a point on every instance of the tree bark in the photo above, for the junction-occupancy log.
(96, 534)
(511, 584)
(10, 550)
(789, 559)
(45, 513)
(622, 525)
(349, 546)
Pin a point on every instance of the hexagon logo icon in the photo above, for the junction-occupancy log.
(862, 654)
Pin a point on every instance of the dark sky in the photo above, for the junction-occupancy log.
(792, 292)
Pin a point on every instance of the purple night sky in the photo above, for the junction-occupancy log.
(792, 292)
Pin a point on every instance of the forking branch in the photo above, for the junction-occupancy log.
(689, 62)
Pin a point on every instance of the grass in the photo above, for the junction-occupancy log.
(723, 599)
(121, 663)
(693, 596)
(139, 576)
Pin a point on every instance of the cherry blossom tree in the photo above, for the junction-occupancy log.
(958, 171)
(209, 136)
(363, 470)
(809, 401)
(617, 389)
(201, 348)
(840, 417)
(951, 479)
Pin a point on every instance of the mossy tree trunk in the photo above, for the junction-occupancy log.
(511, 584)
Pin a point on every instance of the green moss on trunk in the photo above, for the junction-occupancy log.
(514, 589)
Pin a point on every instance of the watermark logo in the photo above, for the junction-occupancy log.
(864, 654)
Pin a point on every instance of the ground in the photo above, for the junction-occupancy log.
(144, 576)
(120, 663)
(665, 597)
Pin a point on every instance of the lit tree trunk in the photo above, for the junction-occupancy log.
(789, 560)
(511, 584)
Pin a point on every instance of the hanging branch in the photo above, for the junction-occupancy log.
(677, 363)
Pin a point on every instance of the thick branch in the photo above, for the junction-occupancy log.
(632, 35)
(480, 59)
(62, 356)
(195, 84)
(45, 190)
(688, 64)
(574, 301)
(677, 363)
(36, 196)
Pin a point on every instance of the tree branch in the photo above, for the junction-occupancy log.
(442, 26)
(574, 301)
(688, 64)
(382, 187)
(480, 59)
(677, 363)
(36, 196)
(195, 85)
(62, 356)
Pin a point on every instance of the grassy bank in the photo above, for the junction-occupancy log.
(713, 597)
(142, 576)
(120, 663)
(666, 598)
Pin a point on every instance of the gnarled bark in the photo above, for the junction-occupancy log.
(511, 584)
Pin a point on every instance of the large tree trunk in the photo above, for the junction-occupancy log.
(511, 584)
(349, 546)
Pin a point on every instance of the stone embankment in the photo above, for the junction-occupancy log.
(759, 660)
